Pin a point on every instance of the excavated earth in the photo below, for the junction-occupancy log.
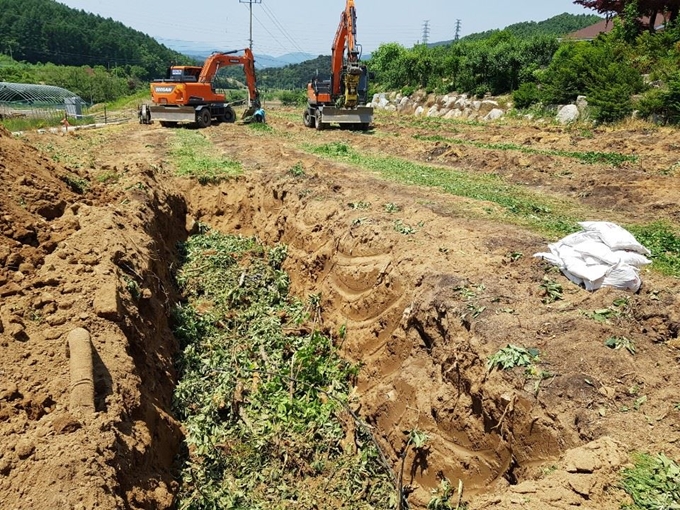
(89, 225)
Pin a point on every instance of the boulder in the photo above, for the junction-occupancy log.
(476, 105)
(568, 114)
(494, 114)
(433, 111)
(419, 111)
(390, 108)
(581, 104)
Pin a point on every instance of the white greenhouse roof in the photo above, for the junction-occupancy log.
(29, 94)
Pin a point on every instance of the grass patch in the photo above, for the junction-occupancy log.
(521, 206)
(260, 127)
(653, 483)
(263, 394)
(551, 217)
(34, 123)
(196, 157)
(591, 157)
(663, 240)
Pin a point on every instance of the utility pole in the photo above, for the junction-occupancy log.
(250, 2)
(458, 25)
(426, 32)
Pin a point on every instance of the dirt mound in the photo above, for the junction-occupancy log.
(70, 261)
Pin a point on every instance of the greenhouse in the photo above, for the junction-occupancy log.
(37, 100)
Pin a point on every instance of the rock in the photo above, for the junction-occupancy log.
(568, 114)
(404, 101)
(581, 104)
(51, 334)
(24, 448)
(9, 289)
(56, 320)
(581, 461)
(418, 113)
(390, 108)
(494, 114)
(581, 484)
(66, 424)
(433, 111)
(490, 102)
(10, 392)
(453, 114)
(190, 225)
(2, 327)
(476, 105)
(5, 467)
(44, 299)
(106, 300)
(18, 332)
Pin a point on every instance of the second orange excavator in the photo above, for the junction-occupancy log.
(187, 93)
(342, 99)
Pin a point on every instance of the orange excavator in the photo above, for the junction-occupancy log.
(187, 93)
(342, 99)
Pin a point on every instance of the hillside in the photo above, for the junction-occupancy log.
(559, 25)
(47, 31)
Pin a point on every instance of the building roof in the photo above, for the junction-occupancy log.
(607, 25)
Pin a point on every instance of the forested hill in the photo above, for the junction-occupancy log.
(557, 26)
(47, 31)
(297, 76)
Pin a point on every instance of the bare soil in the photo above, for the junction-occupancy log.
(423, 312)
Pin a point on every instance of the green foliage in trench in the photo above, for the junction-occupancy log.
(263, 395)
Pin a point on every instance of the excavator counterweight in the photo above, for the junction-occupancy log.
(342, 99)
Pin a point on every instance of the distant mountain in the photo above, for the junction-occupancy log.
(47, 31)
(557, 26)
(201, 51)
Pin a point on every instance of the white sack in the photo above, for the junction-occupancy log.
(603, 255)
(617, 238)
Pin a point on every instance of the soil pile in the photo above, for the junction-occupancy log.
(84, 261)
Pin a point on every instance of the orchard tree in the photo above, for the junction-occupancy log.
(650, 8)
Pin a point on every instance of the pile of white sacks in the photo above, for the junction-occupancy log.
(601, 255)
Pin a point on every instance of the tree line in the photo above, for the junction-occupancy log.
(630, 68)
(38, 31)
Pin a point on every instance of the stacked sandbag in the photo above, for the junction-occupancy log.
(601, 255)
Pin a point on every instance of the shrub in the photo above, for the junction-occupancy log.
(293, 98)
(611, 103)
(526, 95)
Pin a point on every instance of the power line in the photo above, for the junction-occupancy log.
(250, 3)
(281, 28)
(426, 31)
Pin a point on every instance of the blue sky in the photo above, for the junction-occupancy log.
(285, 26)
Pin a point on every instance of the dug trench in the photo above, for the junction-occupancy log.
(425, 295)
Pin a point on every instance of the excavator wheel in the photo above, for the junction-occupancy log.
(320, 126)
(204, 118)
(308, 119)
(229, 115)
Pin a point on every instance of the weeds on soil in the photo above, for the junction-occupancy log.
(522, 206)
(263, 394)
(610, 158)
(195, 157)
(512, 356)
(663, 240)
(653, 483)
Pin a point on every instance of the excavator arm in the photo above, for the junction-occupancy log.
(217, 61)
